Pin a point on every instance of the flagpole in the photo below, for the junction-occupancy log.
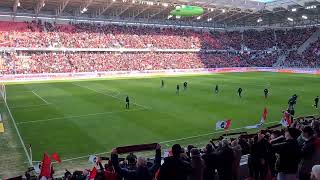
(30, 152)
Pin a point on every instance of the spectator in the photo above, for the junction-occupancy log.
(225, 160)
(174, 168)
(260, 156)
(197, 164)
(308, 154)
(315, 172)
(288, 155)
(210, 159)
(142, 172)
(237, 157)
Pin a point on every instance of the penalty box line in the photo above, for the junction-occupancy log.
(106, 94)
(163, 142)
(78, 116)
(45, 101)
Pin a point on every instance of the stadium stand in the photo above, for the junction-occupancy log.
(270, 153)
(218, 49)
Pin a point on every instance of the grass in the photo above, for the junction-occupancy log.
(77, 118)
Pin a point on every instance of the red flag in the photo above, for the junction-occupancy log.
(286, 119)
(228, 124)
(93, 173)
(56, 157)
(264, 115)
(45, 166)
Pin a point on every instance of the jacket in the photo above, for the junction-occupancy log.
(289, 156)
(174, 168)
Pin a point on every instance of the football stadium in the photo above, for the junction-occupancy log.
(160, 90)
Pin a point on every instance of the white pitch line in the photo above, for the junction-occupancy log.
(27, 106)
(201, 135)
(40, 97)
(106, 94)
(22, 143)
(173, 140)
(77, 116)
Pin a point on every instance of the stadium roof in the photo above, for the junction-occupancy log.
(218, 13)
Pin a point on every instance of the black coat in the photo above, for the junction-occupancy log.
(289, 156)
(141, 173)
(174, 168)
(211, 162)
(225, 160)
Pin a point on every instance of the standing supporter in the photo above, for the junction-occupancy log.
(198, 165)
(288, 155)
(225, 160)
(174, 167)
(210, 158)
(260, 156)
(309, 155)
(142, 172)
(237, 151)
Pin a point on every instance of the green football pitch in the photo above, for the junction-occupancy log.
(79, 118)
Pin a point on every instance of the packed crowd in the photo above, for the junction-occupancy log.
(309, 58)
(44, 35)
(284, 154)
(12, 63)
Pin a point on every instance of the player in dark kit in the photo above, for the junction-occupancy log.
(239, 92)
(316, 102)
(216, 90)
(266, 91)
(185, 85)
(178, 89)
(162, 83)
(127, 102)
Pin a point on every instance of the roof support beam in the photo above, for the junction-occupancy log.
(39, 6)
(237, 19)
(158, 12)
(124, 10)
(104, 8)
(141, 11)
(62, 6)
(228, 17)
(15, 6)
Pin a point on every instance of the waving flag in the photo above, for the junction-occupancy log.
(264, 115)
(223, 124)
(286, 119)
(93, 173)
(56, 157)
(46, 166)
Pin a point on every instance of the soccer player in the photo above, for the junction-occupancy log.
(239, 92)
(266, 91)
(185, 85)
(216, 90)
(127, 102)
(316, 102)
(178, 89)
(162, 83)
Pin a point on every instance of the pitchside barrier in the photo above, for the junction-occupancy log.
(146, 73)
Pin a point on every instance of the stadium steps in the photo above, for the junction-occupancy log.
(313, 38)
(280, 60)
